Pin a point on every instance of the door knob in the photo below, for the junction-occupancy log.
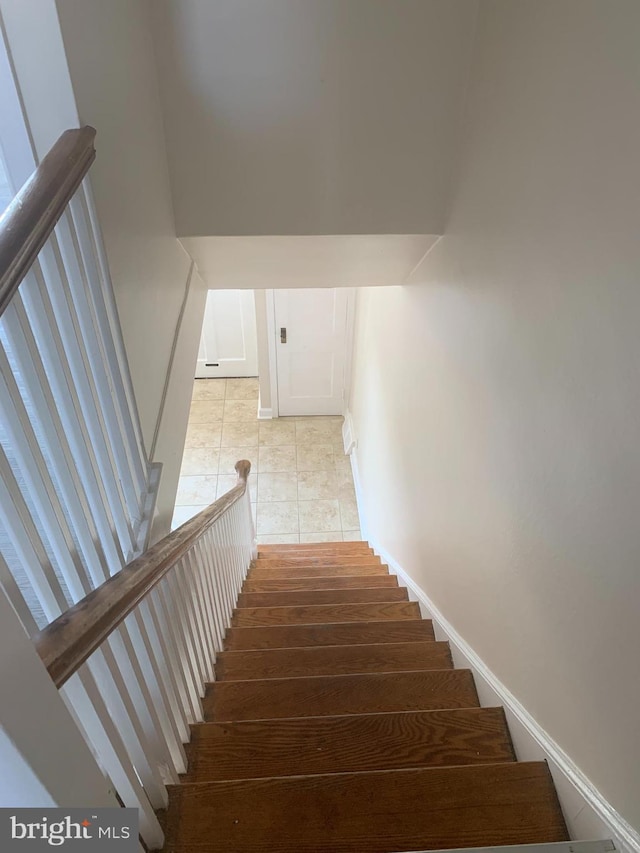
(283, 335)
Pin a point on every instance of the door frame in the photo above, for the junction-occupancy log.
(348, 356)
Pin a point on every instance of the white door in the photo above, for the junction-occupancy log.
(229, 345)
(311, 330)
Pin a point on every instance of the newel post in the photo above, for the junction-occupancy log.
(243, 468)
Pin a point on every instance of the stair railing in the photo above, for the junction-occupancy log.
(77, 489)
(129, 640)
(134, 656)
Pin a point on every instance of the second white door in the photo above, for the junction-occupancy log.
(228, 346)
(311, 339)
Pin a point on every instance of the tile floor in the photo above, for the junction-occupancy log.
(301, 483)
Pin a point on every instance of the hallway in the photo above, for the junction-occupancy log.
(301, 484)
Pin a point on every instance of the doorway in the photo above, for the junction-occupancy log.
(312, 328)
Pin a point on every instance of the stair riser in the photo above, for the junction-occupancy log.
(349, 744)
(343, 694)
(294, 551)
(327, 596)
(325, 614)
(316, 583)
(304, 570)
(332, 660)
(436, 808)
(334, 560)
(296, 636)
(313, 549)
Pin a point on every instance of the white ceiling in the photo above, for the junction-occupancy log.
(360, 260)
(311, 116)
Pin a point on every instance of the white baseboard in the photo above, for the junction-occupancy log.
(587, 813)
(264, 413)
(348, 434)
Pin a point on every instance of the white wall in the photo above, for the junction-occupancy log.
(320, 260)
(110, 55)
(308, 117)
(496, 398)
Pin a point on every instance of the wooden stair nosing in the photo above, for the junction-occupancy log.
(317, 563)
(314, 614)
(335, 695)
(352, 743)
(326, 552)
(319, 557)
(376, 812)
(336, 634)
(304, 570)
(359, 545)
(295, 598)
(332, 660)
(320, 582)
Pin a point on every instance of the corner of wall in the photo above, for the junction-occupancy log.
(173, 416)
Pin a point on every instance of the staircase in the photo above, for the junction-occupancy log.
(337, 724)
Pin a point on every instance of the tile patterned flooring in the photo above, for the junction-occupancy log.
(301, 484)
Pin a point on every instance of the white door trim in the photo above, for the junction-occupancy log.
(348, 345)
(273, 365)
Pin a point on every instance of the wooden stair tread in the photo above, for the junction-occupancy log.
(335, 695)
(321, 596)
(320, 582)
(337, 724)
(355, 743)
(351, 559)
(332, 660)
(358, 545)
(314, 614)
(303, 569)
(376, 812)
(287, 636)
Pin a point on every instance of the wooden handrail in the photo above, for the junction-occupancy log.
(29, 220)
(65, 644)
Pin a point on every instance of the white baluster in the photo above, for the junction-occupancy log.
(34, 292)
(222, 593)
(38, 484)
(79, 363)
(195, 604)
(202, 595)
(14, 594)
(183, 577)
(114, 689)
(157, 692)
(173, 586)
(83, 227)
(173, 630)
(111, 310)
(202, 548)
(173, 674)
(25, 539)
(89, 330)
(228, 561)
(105, 737)
(52, 437)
